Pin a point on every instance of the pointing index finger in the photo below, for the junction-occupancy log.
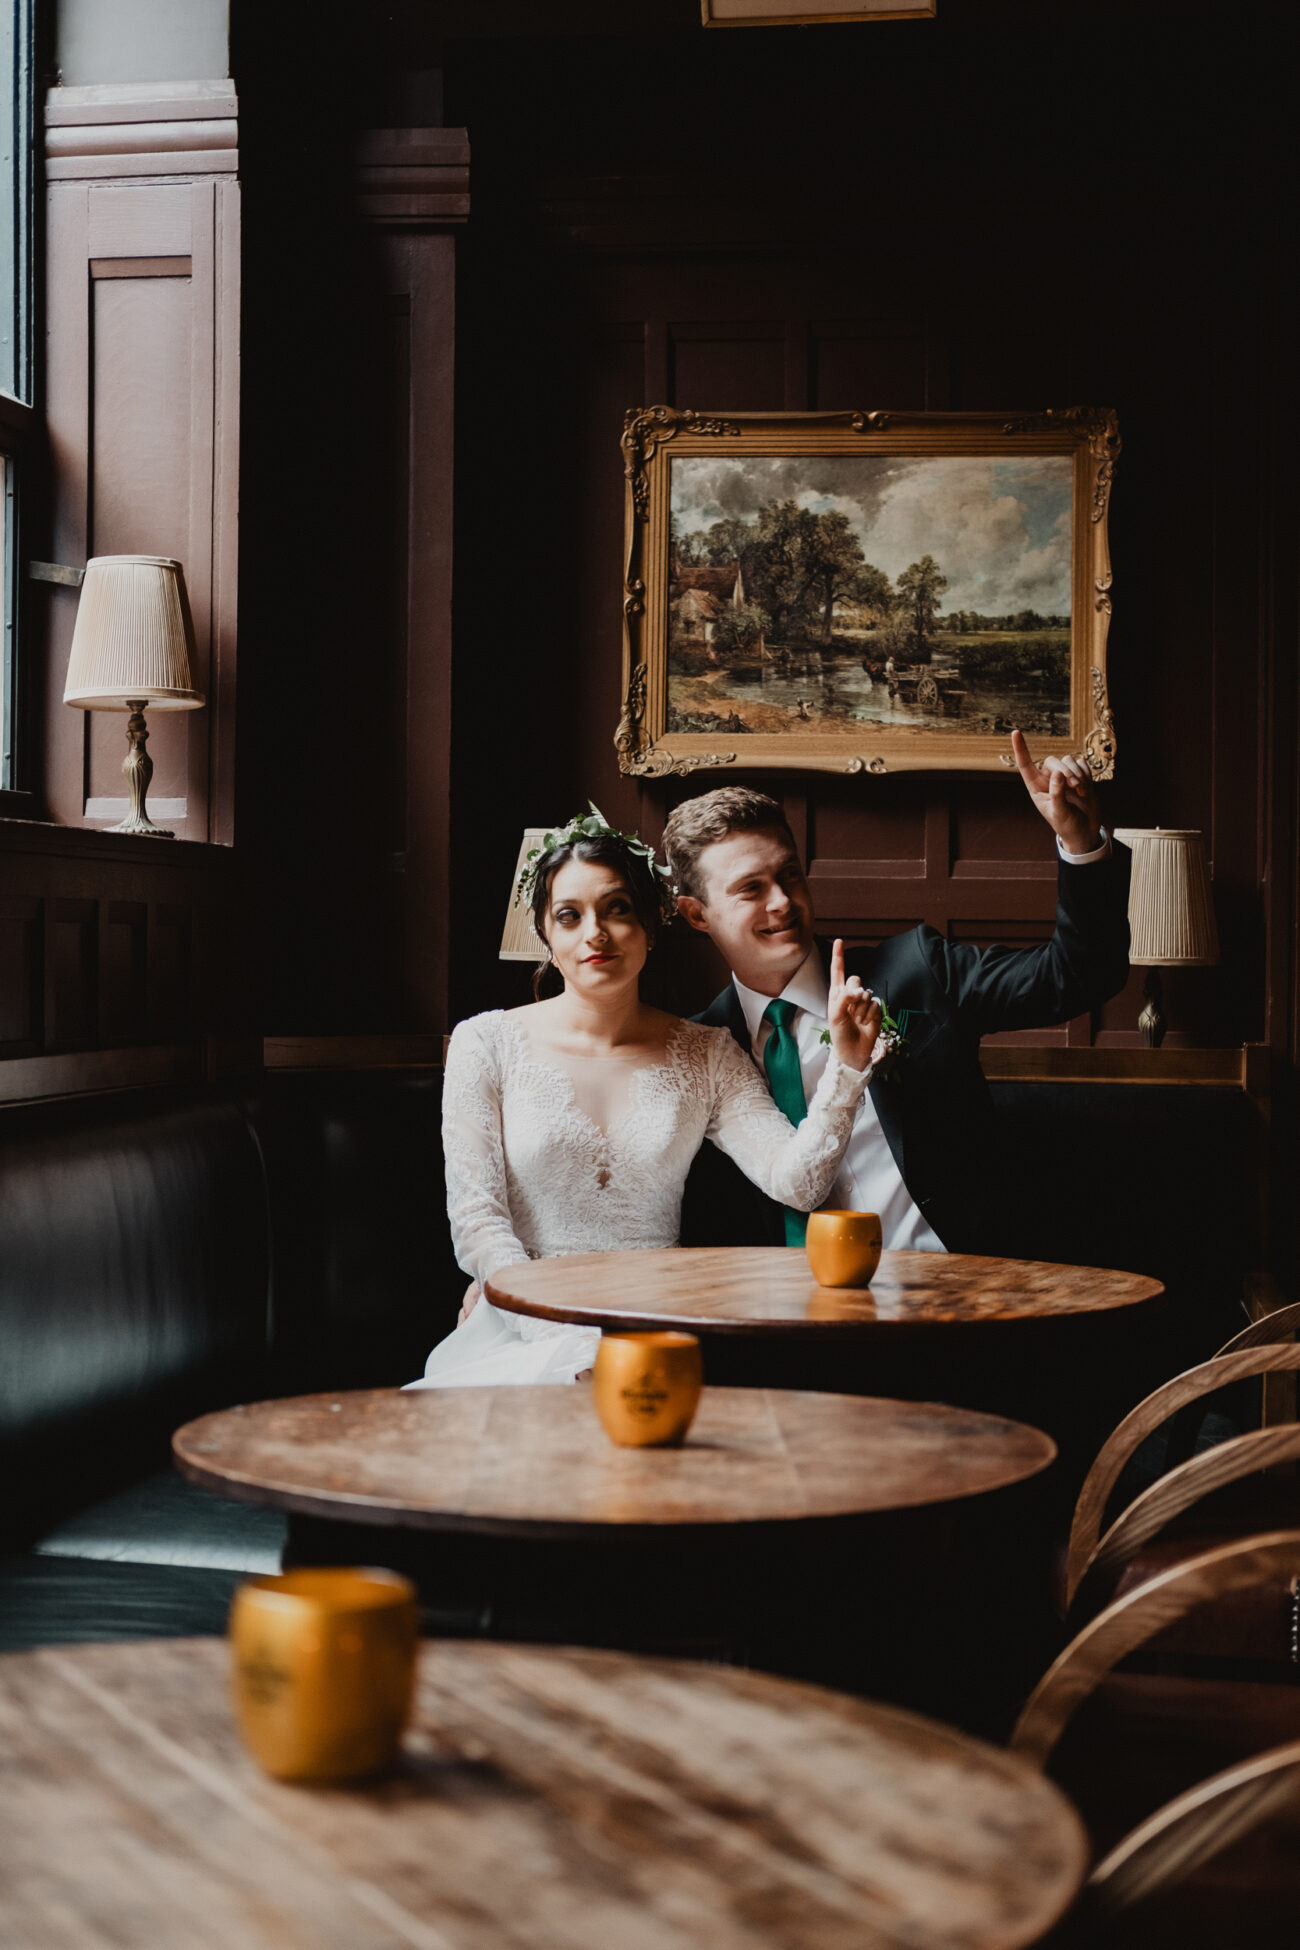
(1032, 774)
(837, 963)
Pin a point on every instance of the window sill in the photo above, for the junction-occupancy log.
(27, 835)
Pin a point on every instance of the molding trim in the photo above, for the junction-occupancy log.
(413, 179)
(95, 1072)
(413, 1052)
(1236, 1069)
(156, 129)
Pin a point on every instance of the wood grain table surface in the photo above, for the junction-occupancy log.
(770, 1290)
(536, 1461)
(546, 1800)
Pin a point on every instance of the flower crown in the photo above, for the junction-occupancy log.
(593, 826)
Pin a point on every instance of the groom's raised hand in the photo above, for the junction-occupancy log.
(852, 1014)
(1063, 791)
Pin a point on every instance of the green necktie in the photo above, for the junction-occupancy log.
(781, 1061)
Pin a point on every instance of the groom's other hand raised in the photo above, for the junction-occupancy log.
(1063, 791)
(852, 1014)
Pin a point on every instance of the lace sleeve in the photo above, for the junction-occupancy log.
(482, 1231)
(795, 1166)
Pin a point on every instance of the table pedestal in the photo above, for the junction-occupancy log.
(942, 1610)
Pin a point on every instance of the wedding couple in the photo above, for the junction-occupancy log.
(572, 1124)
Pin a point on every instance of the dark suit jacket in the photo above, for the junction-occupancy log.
(933, 1103)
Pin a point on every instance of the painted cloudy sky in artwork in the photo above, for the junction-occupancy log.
(999, 529)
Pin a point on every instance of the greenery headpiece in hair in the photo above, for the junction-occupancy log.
(593, 826)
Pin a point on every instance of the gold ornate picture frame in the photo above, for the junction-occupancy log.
(865, 592)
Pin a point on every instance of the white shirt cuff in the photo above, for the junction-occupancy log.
(1101, 852)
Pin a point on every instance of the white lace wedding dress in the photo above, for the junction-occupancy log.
(583, 1155)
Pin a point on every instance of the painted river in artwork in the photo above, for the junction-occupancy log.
(843, 695)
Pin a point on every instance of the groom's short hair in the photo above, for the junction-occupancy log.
(713, 816)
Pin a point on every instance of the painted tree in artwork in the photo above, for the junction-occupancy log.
(834, 566)
(921, 587)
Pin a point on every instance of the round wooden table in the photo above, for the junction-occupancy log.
(762, 1290)
(535, 1461)
(546, 1800)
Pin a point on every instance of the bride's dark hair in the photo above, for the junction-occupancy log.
(601, 850)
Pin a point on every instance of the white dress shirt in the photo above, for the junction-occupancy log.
(869, 1180)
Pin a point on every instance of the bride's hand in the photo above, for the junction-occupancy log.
(473, 1294)
(852, 1014)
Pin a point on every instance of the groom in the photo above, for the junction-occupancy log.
(925, 1150)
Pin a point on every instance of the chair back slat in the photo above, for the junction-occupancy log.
(1137, 1617)
(1267, 1331)
(1192, 1829)
(1178, 1491)
(1139, 1423)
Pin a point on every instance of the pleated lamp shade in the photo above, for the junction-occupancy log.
(519, 942)
(1170, 907)
(133, 640)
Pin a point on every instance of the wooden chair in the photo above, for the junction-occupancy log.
(1279, 1325)
(1132, 1620)
(1197, 1825)
(1122, 1743)
(1142, 1421)
(1170, 1880)
(1181, 1491)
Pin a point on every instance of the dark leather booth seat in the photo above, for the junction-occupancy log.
(134, 1245)
(133, 1286)
(162, 1254)
(363, 1277)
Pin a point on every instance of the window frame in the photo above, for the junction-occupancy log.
(22, 430)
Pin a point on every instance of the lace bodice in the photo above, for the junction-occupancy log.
(531, 1174)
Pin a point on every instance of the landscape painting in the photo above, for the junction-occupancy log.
(875, 607)
(847, 590)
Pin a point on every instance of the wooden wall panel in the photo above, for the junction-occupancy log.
(853, 361)
(143, 366)
(141, 402)
(109, 942)
(123, 972)
(114, 942)
(21, 964)
(71, 973)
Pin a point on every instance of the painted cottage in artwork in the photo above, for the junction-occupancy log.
(698, 598)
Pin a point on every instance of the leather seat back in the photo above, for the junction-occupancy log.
(133, 1284)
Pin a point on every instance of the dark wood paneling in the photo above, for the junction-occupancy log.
(171, 971)
(123, 971)
(853, 363)
(21, 961)
(729, 364)
(110, 940)
(71, 972)
(895, 257)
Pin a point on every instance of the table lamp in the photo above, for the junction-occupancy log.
(520, 940)
(1170, 913)
(132, 645)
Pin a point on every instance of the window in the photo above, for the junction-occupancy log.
(17, 430)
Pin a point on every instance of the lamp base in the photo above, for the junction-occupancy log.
(144, 825)
(138, 768)
(1151, 1023)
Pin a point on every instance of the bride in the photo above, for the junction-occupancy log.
(569, 1125)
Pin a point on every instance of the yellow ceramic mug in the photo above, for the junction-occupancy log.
(647, 1387)
(324, 1666)
(843, 1247)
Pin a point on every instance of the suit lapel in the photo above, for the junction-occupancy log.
(725, 1012)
